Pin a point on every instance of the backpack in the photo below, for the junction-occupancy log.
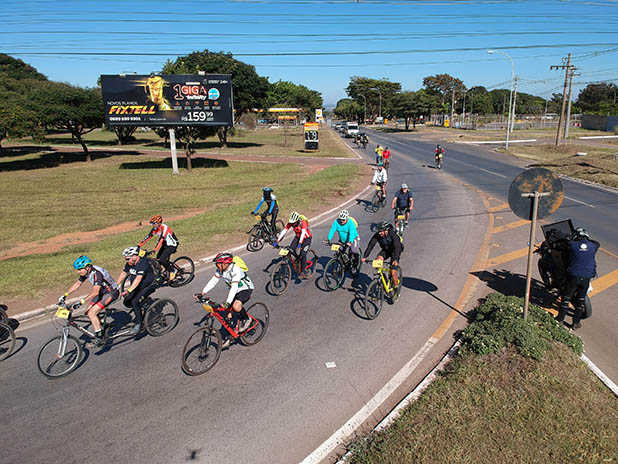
(240, 263)
(354, 221)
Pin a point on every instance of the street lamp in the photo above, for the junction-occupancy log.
(380, 107)
(365, 118)
(508, 123)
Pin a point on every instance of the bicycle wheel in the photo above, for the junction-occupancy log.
(333, 274)
(279, 225)
(255, 242)
(312, 263)
(258, 313)
(185, 271)
(280, 277)
(7, 341)
(161, 317)
(3, 317)
(53, 363)
(201, 351)
(375, 202)
(374, 298)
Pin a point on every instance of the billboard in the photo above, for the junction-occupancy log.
(168, 100)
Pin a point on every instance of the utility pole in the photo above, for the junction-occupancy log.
(567, 70)
(568, 114)
(514, 100)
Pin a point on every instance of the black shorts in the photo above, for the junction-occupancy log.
(243, 296)
(114, 294)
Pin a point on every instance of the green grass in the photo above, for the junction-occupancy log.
(74, 197)
(264, 142)
(503, 408)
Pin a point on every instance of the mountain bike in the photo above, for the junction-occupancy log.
(400, 221)
(184, 271)
(378, 199)
(61, 354)
(439, 162)
(382, 285)
(7, 336)
(262, 232)
(334, 271)
(281, 274)
(203, 348)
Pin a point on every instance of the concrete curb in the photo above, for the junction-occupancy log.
(28, 315)
(601, 375)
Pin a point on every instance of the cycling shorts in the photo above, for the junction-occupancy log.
(243, 296)
(113, 294)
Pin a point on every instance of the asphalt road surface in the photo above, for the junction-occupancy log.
(276, 401)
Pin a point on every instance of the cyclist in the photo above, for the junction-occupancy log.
(301, 242)
(439, 153)
(380, 178)
(142, 279)
(386, 157)
(240, 292)
(391, 247)
(104, 291)
(272, 206)
(403, 202)
(348, 233)
(379, 150)
(166, 246)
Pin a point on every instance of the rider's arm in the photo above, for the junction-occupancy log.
(159, 244)
(385, 176)
(237, 275)
(138, 280)
(146, 238)
(74, 287)
(257, 208)
(375, 177)
(211, 283)
(283, 232)
(352, 231)
(396, 245)
(333, 228)
(393, 202)
(123, 275)
(273, 202)
(411, 203)
(304, 232)
(370, 245)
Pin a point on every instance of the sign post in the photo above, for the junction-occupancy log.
(545, 190)
(173, 148)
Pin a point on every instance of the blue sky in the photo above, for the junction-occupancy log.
(322, 43)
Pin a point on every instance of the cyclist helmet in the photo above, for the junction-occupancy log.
(580, 233)
(156, 219)
(343, 215)
(81, 262)
(380, 165)
(404, 186)
(384, 225)
(267, 190)
(294, 217)
(223, 258)
(130, 251)
(438, 146)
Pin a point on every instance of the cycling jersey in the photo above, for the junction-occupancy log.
(439, 151)
(386, 154)
(380, 177)
(301, 230)
(234, 277)
(271, 203)
(100, 277)
(403, 199)
(391, 245)
(164, 232)
(347, 232)
(379, 150)
(141, 268)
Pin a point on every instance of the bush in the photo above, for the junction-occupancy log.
(499, 323)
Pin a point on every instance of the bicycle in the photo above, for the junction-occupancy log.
(184, 271)
(281, 274)
(262, 232)
(439, 162)
(203, 348)
(381, 285)
(378, 199)
(7, 336)
(61, 354)
(400, 223)
(334, 271)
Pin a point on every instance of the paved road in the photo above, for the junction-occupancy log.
(274, 402)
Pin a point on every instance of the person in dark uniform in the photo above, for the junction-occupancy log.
(581, 268)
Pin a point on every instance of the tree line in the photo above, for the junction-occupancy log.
(444, 94)
(35, 106)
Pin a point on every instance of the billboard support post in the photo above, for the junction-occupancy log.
(173, 148)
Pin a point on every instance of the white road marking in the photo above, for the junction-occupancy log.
(330, 365)
(491, 172)
(578, 201)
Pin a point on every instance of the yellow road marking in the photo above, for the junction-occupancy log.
(493, 209)
(512, 225)
(505, 258)
(609, 252)
(603, 283)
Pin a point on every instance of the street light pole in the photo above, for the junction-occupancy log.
(380, 107)
(508, 123)
(365, 118)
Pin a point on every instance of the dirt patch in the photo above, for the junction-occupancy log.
(58, 242)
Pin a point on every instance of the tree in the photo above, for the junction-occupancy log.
(555, 104)
(16, 120)
(288, 94)
(479, 101)
(124, 133)
(593, 96)
(412, 105)
(72, 109)
(363, 86)
(348, 109)
(14, 68)
(443, 86)
(249, 88)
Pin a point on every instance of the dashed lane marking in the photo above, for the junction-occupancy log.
(491, 172)
(579, 201)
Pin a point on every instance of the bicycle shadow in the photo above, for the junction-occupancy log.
(358, 288)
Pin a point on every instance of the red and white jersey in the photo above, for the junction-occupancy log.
(301, 230)
(164, 233)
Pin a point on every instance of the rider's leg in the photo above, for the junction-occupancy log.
(407, 215)
(163, 256)
(579, 300)
(303, 254)
(567, 293)
(273, 219)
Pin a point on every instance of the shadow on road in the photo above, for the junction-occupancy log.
(166, 163)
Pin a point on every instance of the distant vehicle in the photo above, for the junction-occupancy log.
(338, 126)
(351, 129)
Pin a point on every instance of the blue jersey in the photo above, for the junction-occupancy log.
(581, 258)
(347, 232)
(271, 203)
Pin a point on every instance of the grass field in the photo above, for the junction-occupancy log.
(285, 141)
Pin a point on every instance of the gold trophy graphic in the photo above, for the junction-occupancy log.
(154, 89)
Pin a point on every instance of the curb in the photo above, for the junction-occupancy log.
(28, 315)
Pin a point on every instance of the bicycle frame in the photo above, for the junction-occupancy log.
(215, 311)
(384, 274)
(66, 314)
(289, 254)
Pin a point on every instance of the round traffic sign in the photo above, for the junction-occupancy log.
(535, 180)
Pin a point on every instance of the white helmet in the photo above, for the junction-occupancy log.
(130, 251)
(343, 215)
(294, 217)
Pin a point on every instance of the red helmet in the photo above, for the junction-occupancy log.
(156, 219)
(223, 258)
